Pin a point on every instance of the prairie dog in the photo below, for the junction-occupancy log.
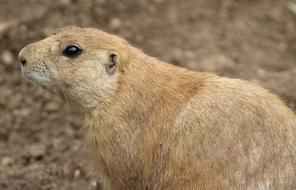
(154, 126)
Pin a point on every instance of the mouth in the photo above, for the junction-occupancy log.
(35, 77)
(30, 75)
(26, 74)
(37, 73)
(41, 80)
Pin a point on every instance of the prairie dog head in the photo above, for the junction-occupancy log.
(76, 63)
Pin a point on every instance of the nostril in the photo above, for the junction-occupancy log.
(23, 61)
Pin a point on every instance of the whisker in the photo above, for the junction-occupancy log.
(49, 71)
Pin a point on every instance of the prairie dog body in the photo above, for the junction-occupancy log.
(153, 126)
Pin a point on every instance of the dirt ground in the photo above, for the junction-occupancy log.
(41, 141)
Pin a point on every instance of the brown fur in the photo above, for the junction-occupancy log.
(155, 126)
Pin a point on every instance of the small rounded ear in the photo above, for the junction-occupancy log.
(113, 61)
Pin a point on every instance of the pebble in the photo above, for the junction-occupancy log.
(65, 2)
(93, 184)
(22, 112)
(52, 106)
(7, 57)
(6, 161)
(77, 173)
(5, 26)
(115, 23)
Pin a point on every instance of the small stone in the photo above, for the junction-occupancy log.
(22, 112)
(6, 161)
(93, 184)
(5, 26)
(65, 2)
(52, 106)
(77, 173)
(7, 57)
(115, 23)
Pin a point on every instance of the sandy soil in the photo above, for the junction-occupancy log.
(41, 141)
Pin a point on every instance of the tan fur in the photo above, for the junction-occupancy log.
(154, 126)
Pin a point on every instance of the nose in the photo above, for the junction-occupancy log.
(23, 61)
(23, 56)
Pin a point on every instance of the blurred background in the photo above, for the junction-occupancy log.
(41, 141)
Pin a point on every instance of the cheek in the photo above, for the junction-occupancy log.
(75, 75)
(89, 73)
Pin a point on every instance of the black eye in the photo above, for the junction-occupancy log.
(72, 51)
